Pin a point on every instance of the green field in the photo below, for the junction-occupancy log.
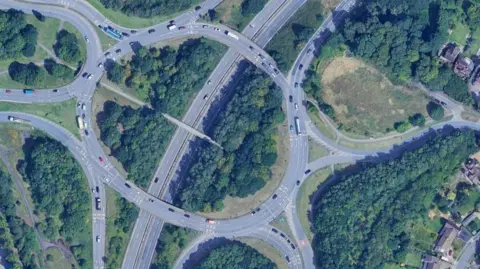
(62, 113)
(133, 22)
(281, 224)
(367, 104)
(58, 260)
(314, 115)
(459, 33)
(290, 40)
(105, 41)
(315, 150)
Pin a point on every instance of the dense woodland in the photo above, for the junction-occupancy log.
(362, 220)
(169, 79)
(59, 190)
(171, 242)
(17, 237)
(233, 256)
(149, 8)
(246, 129)
(402, 39)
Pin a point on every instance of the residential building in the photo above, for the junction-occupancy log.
(463, 67)
(432, 262)
(449, 53)
(444, 243)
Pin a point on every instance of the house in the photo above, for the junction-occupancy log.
(432, 262)
(444, 243)
(449, 53)
(463, 67)
(471, 171)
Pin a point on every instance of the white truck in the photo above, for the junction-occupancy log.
(18, 120)
(231, 35)
(171, 27)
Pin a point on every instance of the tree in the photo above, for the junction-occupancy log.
(66, 47)
(16, 36)
(417, 120)
(28, 74)
(435, 111)
(252, 7)
(116, 72)
(402, 126)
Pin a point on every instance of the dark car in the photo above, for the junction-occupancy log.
(296, 84)
(443, 103)
(171, 210)
(186, 215)
(125, 34)
(274, 196)
(287, 258)
(107, 53)
(151, 31)
(181, 27)
(133, 31)
(118, 51)
(86, 132)
(127, 185)
(155, 180)
(83, 115)
(307, 171)
(251, 48)
(300, 67)
(298, 182)
(282, 235)
(293, 246)
(290, 98)
(253, 212)
(56, 90)
(97, 189)
(197, 8)
(274, 230)
(309, 50)
(84, 75)
(151, 200)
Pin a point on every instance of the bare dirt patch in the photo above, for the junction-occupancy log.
(339, 67)
(235, 206)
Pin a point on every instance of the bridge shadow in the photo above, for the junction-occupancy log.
(396, 152)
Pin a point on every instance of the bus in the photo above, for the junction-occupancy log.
(80, 123)
(28, 91)
(111, 32)
(297, 125)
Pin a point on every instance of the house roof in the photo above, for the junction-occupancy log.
(432, 262)
(463, 66)
(451, 52)
(448, 233)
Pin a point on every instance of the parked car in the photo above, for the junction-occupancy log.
(133, 31)
(274, 196)
(8, 91)
(151, 31)
(307, 171)
(171, 209)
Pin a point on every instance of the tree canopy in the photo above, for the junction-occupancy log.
(246, 130)
(28, 74)
(17, 38)
(169, 79)
(67, 48)
(402, 39)
(59, 190)
(147, 9)
(362, 220)
(235, 255)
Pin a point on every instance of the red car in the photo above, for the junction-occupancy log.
(8, 91)
(100, 159)
(181, 27)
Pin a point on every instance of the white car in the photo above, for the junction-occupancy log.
(296, 106)
(98, 238)
(209, 82)
(100, 65)
(86, 39)
(84, 107)
(85, 125)
(90, 76)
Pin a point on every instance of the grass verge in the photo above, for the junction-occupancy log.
(127, 21)
(314, 116)
(292, 37)
(62, 113)
(281, 223)
(307, 188)
(315, 151)
(230, 14)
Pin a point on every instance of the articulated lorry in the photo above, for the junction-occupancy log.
(18, 120)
